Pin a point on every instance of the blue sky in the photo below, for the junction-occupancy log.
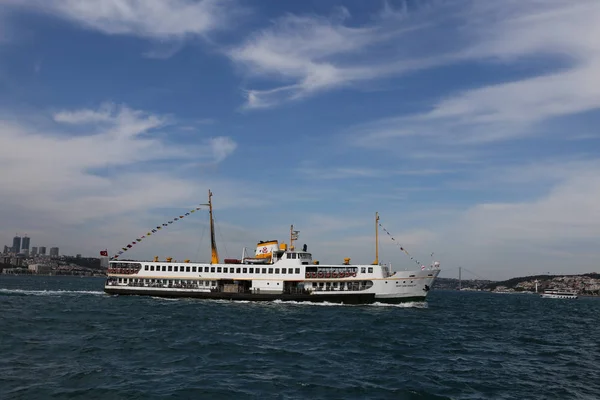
(470, 126)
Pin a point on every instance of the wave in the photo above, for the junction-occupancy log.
(23, 292)
(408, 304)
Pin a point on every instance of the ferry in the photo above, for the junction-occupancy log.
(274, 272)
(559, 294)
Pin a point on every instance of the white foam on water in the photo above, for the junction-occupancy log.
(408, 304)
(49, 292)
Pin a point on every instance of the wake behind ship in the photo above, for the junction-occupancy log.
(274, 272)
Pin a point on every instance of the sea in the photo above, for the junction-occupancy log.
(63, 338)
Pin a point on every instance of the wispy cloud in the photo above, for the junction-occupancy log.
(309, 53)
(57, 170)
(327, 173)
(511, 33)
(155, 19)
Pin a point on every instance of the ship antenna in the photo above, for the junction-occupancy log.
(213, 243)
(376, 262)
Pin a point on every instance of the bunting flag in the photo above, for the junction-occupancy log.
(399, 245)
(153, 231)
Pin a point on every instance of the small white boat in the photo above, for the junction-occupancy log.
(559, 294)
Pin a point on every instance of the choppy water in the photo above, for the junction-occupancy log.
(61, 337)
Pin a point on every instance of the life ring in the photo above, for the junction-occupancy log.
(354, 274)
(348, 273)
(308, 274)
(265, 250)
(320, 274)
(334, 275)
(314, 274)
(328, 275)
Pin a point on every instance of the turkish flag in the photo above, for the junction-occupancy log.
(104, 253)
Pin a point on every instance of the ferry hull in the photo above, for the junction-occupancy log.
(358, 298)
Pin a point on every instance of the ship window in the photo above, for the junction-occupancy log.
(218, 269)
(175, 268)
(206, 283)
(212, 269)
(276, 270)
(170, 268)
(430, 275)
(370, 270)
(213, 283)
(362, 270)
(187, 269)
(238, 270)
(245, 270)
(293, 255)
(145, 268)
(297, 270)
(270, 270)
(283, 270)
(194, 269)
(251, 270)
(289, 255)
(151, 267)
(225, 269)
(264, 270)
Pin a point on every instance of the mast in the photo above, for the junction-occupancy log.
(293, 236)
(459, 278)
(376, 262)
(213, 243)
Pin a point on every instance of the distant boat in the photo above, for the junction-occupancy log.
(274, 272)
(559, 294)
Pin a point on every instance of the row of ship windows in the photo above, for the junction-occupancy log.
(167, 282)
(231, 270)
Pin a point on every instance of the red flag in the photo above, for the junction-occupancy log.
(104, 253)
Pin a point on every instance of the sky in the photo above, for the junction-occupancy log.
(471, 127)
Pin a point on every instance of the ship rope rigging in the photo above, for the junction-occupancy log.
(398, 243)
(155, 231)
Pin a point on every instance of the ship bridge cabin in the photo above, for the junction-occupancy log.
(271, 252)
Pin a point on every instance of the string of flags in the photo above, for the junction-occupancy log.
(402, 248)
(151, 232)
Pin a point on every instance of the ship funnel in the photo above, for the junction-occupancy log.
(266, 249)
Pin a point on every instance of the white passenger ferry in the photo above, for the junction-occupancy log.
(274, 272)
(559, 294)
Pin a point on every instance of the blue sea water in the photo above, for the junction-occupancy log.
(63, 338)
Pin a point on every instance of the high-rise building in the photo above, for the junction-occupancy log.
(16, 247)
(25, 243)
(6, 250)
(53, 251)
(42, 250)
(34, 251)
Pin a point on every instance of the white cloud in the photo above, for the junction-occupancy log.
(313, 53)
(222, 147)
(563, 33)
(153, 19)
(48, 170)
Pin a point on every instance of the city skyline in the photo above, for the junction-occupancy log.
(21, 245)
(469, 126)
